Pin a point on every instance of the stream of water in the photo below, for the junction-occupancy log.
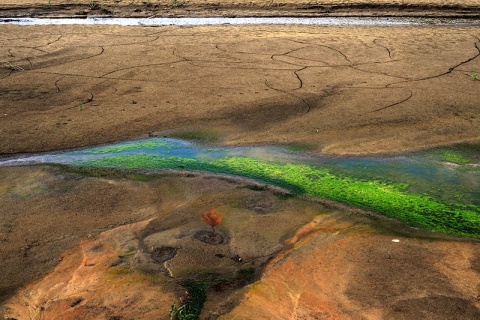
(429, 172)
(210, 21)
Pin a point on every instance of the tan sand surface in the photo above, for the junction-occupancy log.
(340, 90)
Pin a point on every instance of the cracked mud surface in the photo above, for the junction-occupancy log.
(115, 248)
(343, 90)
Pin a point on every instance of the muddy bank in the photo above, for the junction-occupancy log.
(180, 8)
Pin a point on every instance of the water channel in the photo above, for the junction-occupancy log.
(436, 182)
(212, 21)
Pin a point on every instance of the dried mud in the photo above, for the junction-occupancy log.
(340, 90)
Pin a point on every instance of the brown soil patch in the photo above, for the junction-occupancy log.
(153, 256)
(178, 8)
(84, 285)
(345, 271)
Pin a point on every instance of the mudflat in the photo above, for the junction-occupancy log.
(340, 90)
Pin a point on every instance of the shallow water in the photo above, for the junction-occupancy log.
(423, 172)
(210, 21)
(164, 147)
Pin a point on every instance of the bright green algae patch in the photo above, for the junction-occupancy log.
(386, 198)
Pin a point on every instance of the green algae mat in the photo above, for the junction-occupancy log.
(437, 190)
